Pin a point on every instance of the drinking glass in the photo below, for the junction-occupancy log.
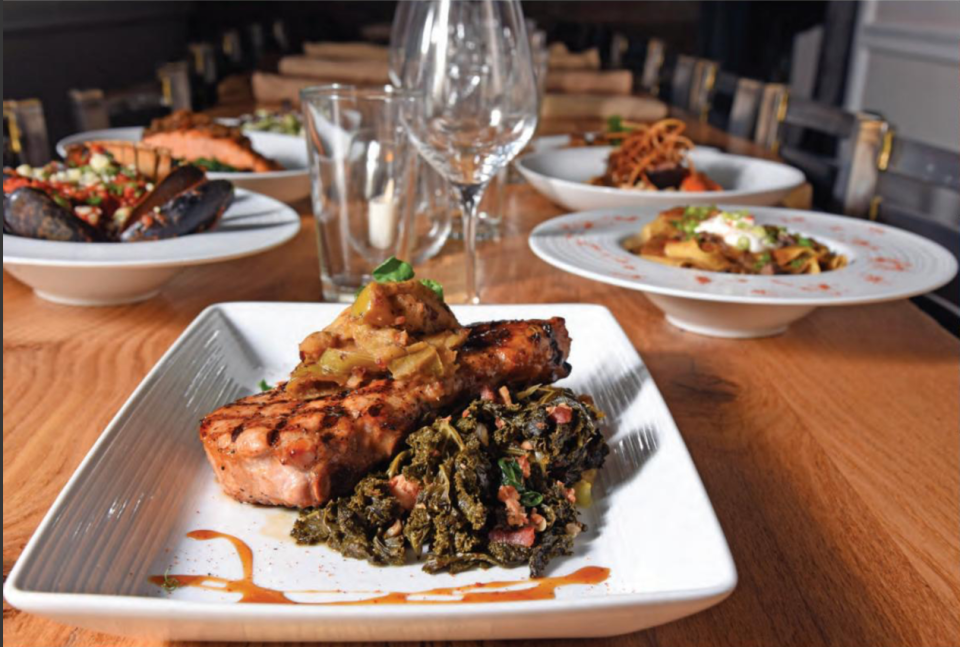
(362, 181)
(476, 107)
(433, 213)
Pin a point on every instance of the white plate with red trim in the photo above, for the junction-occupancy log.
(885, 264)
(125, 514)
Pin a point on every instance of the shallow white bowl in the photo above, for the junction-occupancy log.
(885, 264)
(124, 514)
(289, 185)
(563, 175)
(100, 274)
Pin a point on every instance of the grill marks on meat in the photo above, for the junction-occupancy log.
(275, 449)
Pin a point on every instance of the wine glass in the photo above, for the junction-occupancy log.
(468, 62)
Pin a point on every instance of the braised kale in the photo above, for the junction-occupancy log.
(494, 485)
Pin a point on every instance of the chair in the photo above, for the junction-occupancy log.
(836, 149)
(94, 109)
(918, 189)
(26, 128)
(681, 81)
(734, 104)
(653, 66)
(701, 87)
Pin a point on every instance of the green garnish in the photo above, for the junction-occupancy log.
(62, 201)
(214, 165)
(797, 263)
(530, 498)
(94, 200)
(170, 584)
(700, 212)
(615, 124)
(115, 189)
(433, 285)
(511, 474)
(263, 385)
(763, 259)
(393, 270)
(805, 242)
(743, 243)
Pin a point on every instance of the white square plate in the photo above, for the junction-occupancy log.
(124, 515)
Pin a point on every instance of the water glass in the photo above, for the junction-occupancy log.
(363, 175)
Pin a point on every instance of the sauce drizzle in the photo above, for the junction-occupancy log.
(479, 592)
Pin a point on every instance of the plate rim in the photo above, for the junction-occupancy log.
(291, 220)
(692, 293)
(95, 605)
(718, 196)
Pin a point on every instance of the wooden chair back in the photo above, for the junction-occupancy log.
(734, 104)
(918, 189)
(681, 80)
(836, 149)
(653, 66)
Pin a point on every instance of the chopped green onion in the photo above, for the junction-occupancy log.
(743, 243)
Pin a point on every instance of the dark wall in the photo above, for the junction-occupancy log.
(51, 47)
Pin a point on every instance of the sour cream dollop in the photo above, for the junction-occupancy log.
(737, 230)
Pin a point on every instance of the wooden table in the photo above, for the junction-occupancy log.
(830, 453)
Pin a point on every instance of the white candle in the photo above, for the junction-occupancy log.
(382, 219)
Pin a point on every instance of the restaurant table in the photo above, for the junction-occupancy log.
(830, 452)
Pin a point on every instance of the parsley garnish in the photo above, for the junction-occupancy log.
(433, 285)
(94, 200)
(805, 242)
(264, 386)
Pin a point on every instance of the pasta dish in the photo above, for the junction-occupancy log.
(654, 158)
(708, 238)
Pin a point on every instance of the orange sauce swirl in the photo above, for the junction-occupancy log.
(480, 592)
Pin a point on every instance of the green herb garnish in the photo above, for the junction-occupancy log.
(510, 473)
(62, 201)
(615, 124)
(95, 200)
(700, 212)
(263, 385)
(797, 263)
(762, 260)
(433, 285)
(530, 498)
(215, 166)
(805, 242)
(170, 584)
(393, 270)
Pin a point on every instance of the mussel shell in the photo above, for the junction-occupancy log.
(191, 211)
(32, 213)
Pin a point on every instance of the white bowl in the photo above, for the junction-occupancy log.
(885, 264)
(100, 274)
(563, 176)
(289, 185)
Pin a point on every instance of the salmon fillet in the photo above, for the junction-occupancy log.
(272, 448)
(190, 136)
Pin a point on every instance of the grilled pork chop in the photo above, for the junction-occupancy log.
(275, 449)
